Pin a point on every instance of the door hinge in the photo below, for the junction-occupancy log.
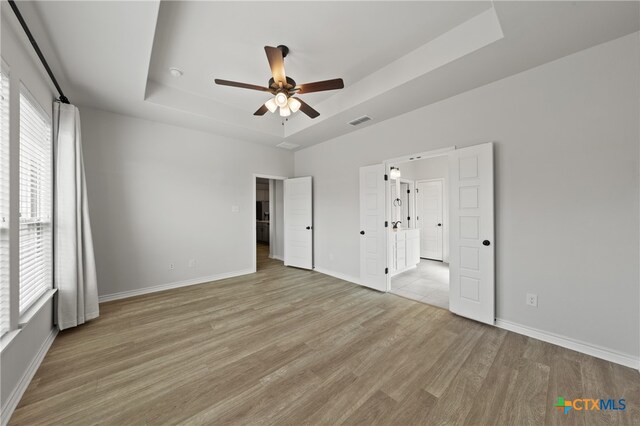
(408, 217)
(386, 224)
(416, 190)
(386, 271)
(408, 191)
(386, 177)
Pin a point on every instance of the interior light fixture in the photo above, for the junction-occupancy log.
(281, 99)
(286, 104)
(285, 111)
(294, 104)
(394, 173)
(271, 105)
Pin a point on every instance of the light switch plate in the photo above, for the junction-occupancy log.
(235, 209)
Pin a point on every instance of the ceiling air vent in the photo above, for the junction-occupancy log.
(287, 145)
(360, 120)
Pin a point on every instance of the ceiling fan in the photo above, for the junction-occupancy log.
(284, 88)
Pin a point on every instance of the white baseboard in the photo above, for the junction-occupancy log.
(23, 384)
(576, 345)
(169, 286)
(337, 275)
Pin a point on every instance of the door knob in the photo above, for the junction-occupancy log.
(308, 227)
(361, 232)
(486, 243)
(439, 224)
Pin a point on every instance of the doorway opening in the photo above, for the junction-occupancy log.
(466, 231)
(418, 243)
(268, 221)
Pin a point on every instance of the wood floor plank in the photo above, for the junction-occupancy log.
(530, 395)
(286, 346)
(564, 381)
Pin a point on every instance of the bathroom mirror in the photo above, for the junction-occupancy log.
(401, 203)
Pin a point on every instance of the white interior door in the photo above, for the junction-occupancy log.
(472, 276)
(373, 249)
(429, 214)
(298, 223)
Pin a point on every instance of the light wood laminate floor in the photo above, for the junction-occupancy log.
(291, 347)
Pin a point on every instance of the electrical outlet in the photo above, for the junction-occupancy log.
(192, 263)
(172, 265)
(532, 300)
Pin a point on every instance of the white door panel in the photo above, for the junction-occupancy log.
(429, 214)
(373, 250)
(298, 222)
(472, 286)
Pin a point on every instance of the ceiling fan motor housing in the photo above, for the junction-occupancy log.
(284, 49)
(291, 83)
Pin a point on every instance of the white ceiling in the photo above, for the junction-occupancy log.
(394, 56)
(350, 40)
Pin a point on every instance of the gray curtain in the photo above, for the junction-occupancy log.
(74, 264)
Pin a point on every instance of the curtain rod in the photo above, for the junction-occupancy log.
(13, 5)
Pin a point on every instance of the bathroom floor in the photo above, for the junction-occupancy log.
(428, 283)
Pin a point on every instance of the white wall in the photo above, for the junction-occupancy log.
(427, 168)
(20, 355)
(567, 218)
(160, 194)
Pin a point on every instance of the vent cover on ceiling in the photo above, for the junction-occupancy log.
(287, 145)
(360, 120)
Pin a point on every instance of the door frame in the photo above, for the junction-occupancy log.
(445, 216)
(254, 227)
(387, 167)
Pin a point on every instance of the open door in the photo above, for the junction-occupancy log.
(298, 223)
(429, 214)
(472, 276)
(373, 247)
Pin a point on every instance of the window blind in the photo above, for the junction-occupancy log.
(35, 201)
(4, 203)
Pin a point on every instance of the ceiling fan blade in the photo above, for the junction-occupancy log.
(320, 86)
(242, 85)
(304, 107)
(276, 62)
(262, 110)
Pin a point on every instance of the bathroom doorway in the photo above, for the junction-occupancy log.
(418, 248)
(390, 256)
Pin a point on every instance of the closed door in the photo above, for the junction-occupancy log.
(298, 221)
(472, 276)
(429, 218)
(373, 249)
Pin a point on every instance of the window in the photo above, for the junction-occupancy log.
(35, 201)
(4, 202)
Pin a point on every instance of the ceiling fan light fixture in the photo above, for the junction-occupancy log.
(294, 105)
(281, 99)
(271, 105)
(285, 111)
